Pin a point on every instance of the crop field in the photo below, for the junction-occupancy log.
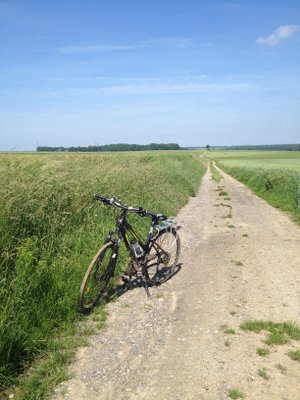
(285, 160)
(50, 229)
(273, 175)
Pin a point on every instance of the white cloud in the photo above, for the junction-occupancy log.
(170, 42)
(161, 89)
(281, 33)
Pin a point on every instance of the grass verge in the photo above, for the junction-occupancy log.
(279, 187)
(49, 231)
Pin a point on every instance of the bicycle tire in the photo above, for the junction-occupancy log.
(163, 257)
(94, 285)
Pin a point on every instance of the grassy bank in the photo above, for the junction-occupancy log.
(274, 176)
(50, 229)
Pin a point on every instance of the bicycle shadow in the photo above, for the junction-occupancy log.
(138, 282)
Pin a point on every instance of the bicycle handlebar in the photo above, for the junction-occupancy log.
(140, 211)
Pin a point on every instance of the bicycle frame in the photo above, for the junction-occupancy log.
(122, 229)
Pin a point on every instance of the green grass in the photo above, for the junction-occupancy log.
(274, 176)
(281, 368)
(226, 205)
(262, 372)
(229, 215)
(262, 352)
(236, 394)
(278, 333)
(237, 263)
(226, 329)
(47, 374)
(50, 229)
(295, 355)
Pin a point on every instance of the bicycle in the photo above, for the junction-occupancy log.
(154, 261)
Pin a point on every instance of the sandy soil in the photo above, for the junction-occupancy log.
(173, 346)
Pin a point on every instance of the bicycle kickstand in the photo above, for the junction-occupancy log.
(147, 289)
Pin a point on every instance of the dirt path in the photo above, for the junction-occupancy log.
(240, 261)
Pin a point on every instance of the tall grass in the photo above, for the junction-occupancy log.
(50, 229)
(280, 187)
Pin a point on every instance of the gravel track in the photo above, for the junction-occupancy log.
(240, 261)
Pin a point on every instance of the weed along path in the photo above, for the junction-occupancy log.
(240, 262)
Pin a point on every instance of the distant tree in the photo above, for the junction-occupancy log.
(208, 147)
(115, 147)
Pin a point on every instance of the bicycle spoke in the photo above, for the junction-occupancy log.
(165, 250)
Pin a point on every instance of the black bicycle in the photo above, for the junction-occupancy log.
(154, 261)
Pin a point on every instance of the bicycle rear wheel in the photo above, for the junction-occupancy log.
(95, 285)
(163, 257)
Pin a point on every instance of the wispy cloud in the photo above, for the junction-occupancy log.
(173, 42)
(126, 79)
(281, 33)
(170, 42)
(162, 89)
(97, 48)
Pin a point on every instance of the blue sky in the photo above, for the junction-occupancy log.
(76, 73)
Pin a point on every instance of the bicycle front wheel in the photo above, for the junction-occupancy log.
(95, 282)
(163, 257)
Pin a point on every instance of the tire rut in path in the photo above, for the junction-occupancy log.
(240, 261)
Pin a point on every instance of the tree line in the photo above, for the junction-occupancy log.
(114, 147)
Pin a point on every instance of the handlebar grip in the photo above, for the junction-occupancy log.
(162, 217)
(104, 199)
(154, 216)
